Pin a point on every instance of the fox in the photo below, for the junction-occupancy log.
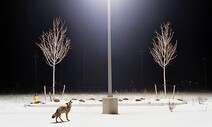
(62, 109)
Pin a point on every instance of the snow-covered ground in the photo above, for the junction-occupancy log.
(135, 110)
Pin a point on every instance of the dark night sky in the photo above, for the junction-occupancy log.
(85, 66)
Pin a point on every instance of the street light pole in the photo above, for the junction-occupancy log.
(109, 53)
(110, 103)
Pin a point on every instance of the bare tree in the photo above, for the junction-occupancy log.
(163, 50)
(54, 45)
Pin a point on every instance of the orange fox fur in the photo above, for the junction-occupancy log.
(62, 109)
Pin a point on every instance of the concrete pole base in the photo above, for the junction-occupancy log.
(110, 105)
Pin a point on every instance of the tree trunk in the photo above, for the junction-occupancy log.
(164, 80)
(53, 83)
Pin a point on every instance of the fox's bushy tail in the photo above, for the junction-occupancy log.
(53, 116)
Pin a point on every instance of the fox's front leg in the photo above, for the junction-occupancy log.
(67, 116)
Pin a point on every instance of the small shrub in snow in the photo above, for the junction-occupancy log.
(171, 106)
(125, 99)
(157, 99)
(142, 98)
(182, 100)
(149, 102)
(137, 99)
(56, 100)
(91, 99)
(201, 99)
(120, 100)
(81, 100)
(74, 99)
